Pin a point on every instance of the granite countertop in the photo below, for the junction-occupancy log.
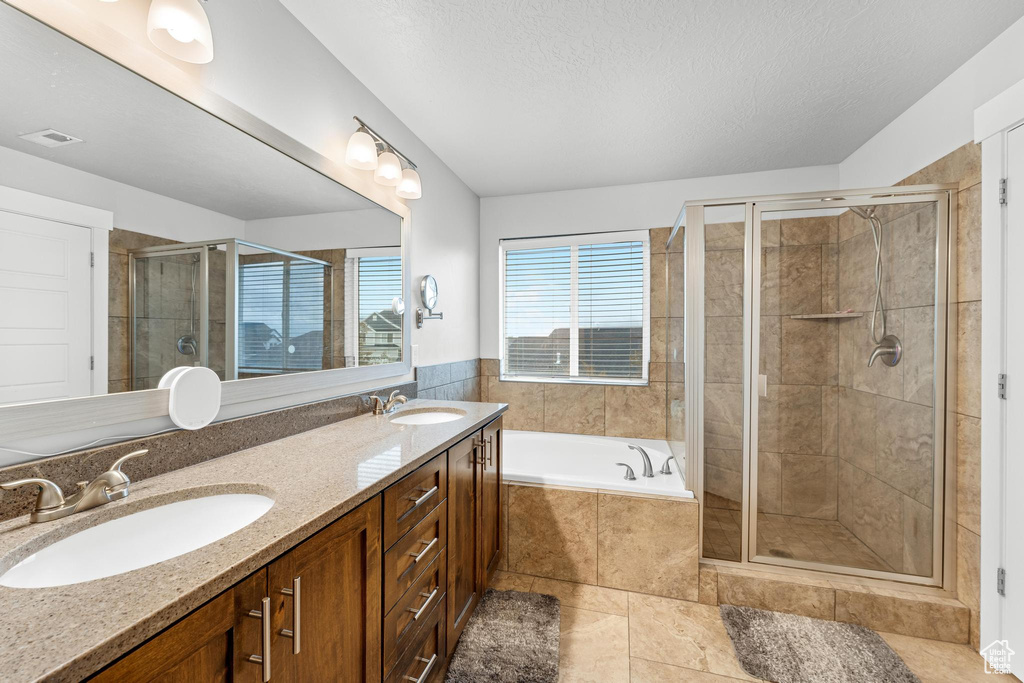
(69, 632)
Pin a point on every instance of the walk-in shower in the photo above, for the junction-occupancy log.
(239, 308)
(818, 329)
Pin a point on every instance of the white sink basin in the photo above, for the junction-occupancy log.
(137, 540)
(427, 416)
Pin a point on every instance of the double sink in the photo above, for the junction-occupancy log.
(156, 534)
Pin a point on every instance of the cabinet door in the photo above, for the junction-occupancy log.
(326, 603)
(490, 501)
(213, 643)
(463, 569)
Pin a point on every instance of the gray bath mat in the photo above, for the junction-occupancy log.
(512, 637)
(790, 649)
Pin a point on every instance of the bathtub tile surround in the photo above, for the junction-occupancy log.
(613, 539)
(657, 555)
(458, 381)
(809, 598)
(552, 532)
(178, 449)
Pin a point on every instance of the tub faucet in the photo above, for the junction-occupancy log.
(665, 469)
(891, 348)
(648, 469)
(629, 472)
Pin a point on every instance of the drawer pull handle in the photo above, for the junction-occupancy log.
(296, 635)
(490, 451)
(419, 501)
(264, 616)
(416, 557)
(417, 613)
(426, 671)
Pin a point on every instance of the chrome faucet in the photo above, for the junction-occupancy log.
(648, 470)
(381, 406)
(665, 469)
(51, 503)
(890, 348)
(629, 472)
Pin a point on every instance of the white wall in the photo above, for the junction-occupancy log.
(942, 120)
(133, 209)
(605, 209)
(341, 229)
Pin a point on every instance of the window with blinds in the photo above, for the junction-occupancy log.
(575, 309)
(378, 282)
(281, 317)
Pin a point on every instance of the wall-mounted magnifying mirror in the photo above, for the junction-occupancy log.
(428, 295)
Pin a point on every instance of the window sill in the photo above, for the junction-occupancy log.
(611, 382)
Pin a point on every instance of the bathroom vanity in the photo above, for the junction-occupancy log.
(380, 543)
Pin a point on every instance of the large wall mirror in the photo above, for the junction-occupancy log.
(224, 252)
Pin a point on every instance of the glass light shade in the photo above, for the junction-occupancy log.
(389, 170)
(361, 152)
(181, 29)
(409, 187)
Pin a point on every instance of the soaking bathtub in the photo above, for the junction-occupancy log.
(588, 462)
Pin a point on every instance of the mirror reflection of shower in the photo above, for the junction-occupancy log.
(887, 346)
(187, 343)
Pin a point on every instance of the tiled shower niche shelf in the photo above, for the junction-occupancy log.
(826, 316)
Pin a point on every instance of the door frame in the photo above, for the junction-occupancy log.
(99, 222)
(993, 123)
(944, 515)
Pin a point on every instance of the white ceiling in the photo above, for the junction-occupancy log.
(537, 95)
(139, 134)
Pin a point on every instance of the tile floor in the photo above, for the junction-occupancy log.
(799, 538)
(608, 636)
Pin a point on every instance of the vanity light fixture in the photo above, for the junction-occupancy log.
(368, 151)
(181, 29)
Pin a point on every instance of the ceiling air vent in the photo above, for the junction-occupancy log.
(50, 138)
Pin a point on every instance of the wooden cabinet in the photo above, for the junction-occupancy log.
(463, 555)
(211, 644)
(490, 501)
(326, 603)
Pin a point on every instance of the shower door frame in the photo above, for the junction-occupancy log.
(944, 378)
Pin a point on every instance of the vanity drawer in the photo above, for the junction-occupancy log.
(407, 618)
(408, 500)
(409, 558)
(424, 661)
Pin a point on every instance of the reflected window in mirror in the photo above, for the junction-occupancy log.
(376, 329)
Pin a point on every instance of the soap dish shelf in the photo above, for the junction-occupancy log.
(827, 316)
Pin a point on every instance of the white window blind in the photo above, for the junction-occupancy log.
(378, 282)
(576, 309)
(281, 317)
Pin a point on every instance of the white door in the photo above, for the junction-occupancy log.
(1013, 538)
(45, 309)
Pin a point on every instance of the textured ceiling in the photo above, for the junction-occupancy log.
(537, 95)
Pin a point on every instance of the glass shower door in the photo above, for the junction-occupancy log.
(846, 399)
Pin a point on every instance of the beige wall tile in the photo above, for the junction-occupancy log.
(968, 379)
(857, 442)
(809, 486)
(489, 367)
(873, 511)
(918, 354)
(659, 238)
(908, 614)
(809, 230)
(659, 339)
(676, 285)
(909, 252)
(790, 280)
(962, 165)
(830, 420)
(968, 473)
(584, 596)
(659, 286)
(723, 283)
(968, 244)
(829, 278)
(789, 420)
(117, 348)
(574, 408)
(592, 647)
(968, 577)
(525, 403)
(771, 233)
(680, 633)
(917, 537)
(718, 236)
(754, 589)
(708, 589)
(552, 533)
(723, 357)
(857, 271)
(507, 581)
(769, 482)
(723, 416)
(906, 451)
(635, 411)
(648, 545)
(855, 347)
